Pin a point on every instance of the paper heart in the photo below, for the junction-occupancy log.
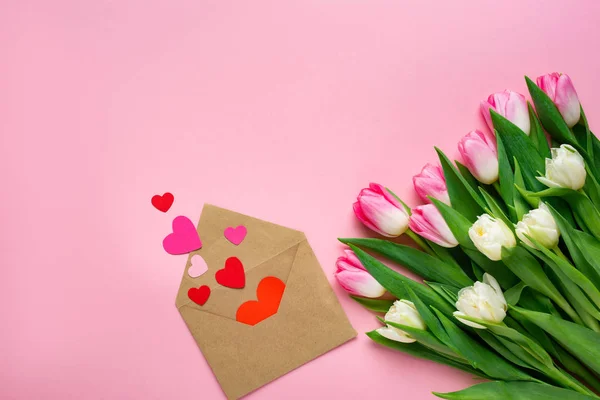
(184, 237)
(268, 294)
(198, 266)
(233, 275)
(235, 235)
(164, 202)
(199, 295)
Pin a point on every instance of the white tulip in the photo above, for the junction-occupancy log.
(489, 236)
(566, 169)
(402, 312)
(484, 301)
(540, 225)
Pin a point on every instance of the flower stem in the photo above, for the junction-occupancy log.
(422, 244)
(559, 253)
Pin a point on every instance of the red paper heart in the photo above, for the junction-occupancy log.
(268, 294)
(199, 295)
(164, 202)
(233, 275)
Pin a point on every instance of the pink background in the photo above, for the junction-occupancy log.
(282, 110)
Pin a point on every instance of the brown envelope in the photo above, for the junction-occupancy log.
(309, 322)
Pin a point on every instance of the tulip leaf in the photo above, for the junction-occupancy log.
(433, 324)
(396, 283)
(420, 351)
(537, 135)
(505, 176)
(518, 146)
(377, 305)
(495, 210)
(450, 293)
(427, 339)
(479, 356)
(521, 204)
(514, 391)
(459, 225)
(462, 196)
(513, 295)
(549, 115)
(469, 178)
(505, 277)
(580, 341)
(500, 348)
(421, 263)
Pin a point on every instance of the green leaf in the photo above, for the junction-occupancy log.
(518, 146)
(423, 264)
(549, 115)
(582, 342)
(537, 135)
(513, 294)
(479, 356)
(462, 196)
(448, 295)
(432, 323)
(500, 348)
(469, 178)
(420, 351)
(427, 339)
(459, 225)
(396, 283)
(377, 305)
(505, 277)
(521, 204)
(496, 211)
(505, 177)
(514, 391)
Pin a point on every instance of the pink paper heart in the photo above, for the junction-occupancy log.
(184, 237)
(235, 235)
(198, 266)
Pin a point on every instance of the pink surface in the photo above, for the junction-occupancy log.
(282, 110)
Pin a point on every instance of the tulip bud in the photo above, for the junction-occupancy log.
(353, 277)
(560, 89)
(427, 221)
(431, 182)
(540, 225)
(483, 301)
(380, 211)
(566, 169)
(480, 156)
(511, 105)
(402, 312)
(489, 236)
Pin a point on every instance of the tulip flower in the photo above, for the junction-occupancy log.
(380, 211)
(560, 89)
(402, 312)
(511, 105)
(484, 301)
(353, 277)
(427, 221)
(566, 169)
(431, 182)
(480, 156)
(540, 225)
(489, 236)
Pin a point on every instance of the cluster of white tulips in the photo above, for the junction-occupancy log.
(508, 246)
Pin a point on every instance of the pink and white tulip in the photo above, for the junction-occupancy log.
(480, 156)
(380, 211)
(426, 221)
(431, 182)
(560, 89)
(353, 277)
(511, 105)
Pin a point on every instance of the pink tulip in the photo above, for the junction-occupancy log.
(480, 156)
(380, 211)
(511, 105)
(431, 182)
(426, 221)
(562, 92)
(353, 277)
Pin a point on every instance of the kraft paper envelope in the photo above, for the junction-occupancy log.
(309, 321)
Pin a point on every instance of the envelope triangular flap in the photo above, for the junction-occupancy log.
(264, 240)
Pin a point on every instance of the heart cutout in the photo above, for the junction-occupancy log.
(268, 294)
(198, 266)
(184, 238)
(233, 275)
(199, 295)
(236, 235)
(164, 202)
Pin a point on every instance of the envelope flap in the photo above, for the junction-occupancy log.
(263, 241)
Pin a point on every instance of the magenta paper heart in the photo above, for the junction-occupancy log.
(184, 237)
(235, 235)
(198, 267)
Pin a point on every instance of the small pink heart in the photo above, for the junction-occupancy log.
(235, 235)
(184, 237)
(198, 266)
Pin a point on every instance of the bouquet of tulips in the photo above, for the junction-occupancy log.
(508, 246)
